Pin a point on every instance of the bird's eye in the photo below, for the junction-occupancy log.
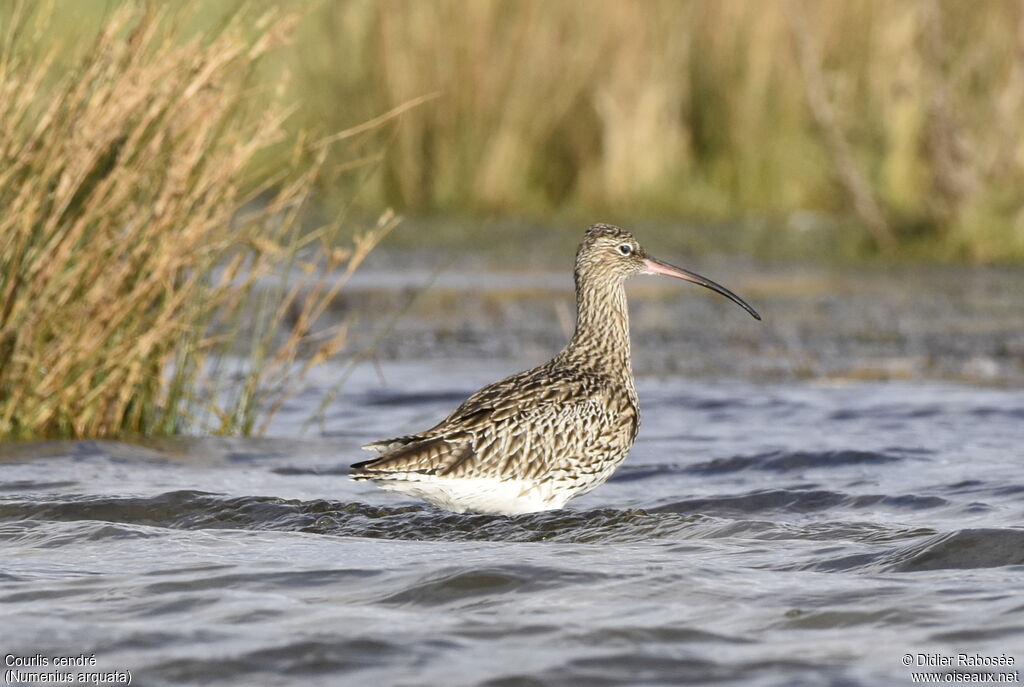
(626, 249)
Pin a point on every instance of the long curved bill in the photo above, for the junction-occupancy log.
(653, 266)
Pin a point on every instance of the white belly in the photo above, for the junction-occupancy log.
(481, 494)
(493, 495)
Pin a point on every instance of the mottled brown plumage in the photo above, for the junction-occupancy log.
(535, 440)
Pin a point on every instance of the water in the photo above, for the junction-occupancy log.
(787, 533)
(864, 322)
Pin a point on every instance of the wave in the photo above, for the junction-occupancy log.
(796, 501)
(784, 461)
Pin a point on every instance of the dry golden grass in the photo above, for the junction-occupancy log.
(906, 117)
(136, 241)
(899, 123)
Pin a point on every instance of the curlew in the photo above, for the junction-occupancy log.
(534, 440)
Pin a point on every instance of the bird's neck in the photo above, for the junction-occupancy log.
(602, 325)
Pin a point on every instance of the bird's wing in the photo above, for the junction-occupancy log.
(480, 403)
(522, 427)
(428, 456)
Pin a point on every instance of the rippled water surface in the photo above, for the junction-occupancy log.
(759, 534)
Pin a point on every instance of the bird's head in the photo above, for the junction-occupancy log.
(612, 253)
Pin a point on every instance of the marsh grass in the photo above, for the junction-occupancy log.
(139, 246)
(902, 122)
(897, 125)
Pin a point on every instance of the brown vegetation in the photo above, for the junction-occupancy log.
(906, 118)
(132, 239)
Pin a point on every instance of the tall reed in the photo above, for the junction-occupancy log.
(904, 117)
(136, 242)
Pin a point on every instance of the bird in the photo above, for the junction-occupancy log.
(535, 440)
